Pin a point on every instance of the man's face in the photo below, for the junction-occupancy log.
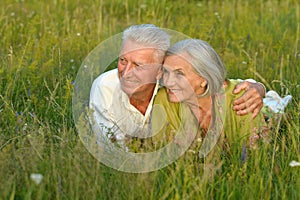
(137, 68)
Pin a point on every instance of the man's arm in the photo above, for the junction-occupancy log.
(102, 120)
(251, 100)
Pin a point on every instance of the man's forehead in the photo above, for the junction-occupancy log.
(131, 46)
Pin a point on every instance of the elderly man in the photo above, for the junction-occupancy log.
(121, 99)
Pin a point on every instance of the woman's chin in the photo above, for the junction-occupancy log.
(173, 99)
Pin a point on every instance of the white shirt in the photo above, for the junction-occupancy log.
(112, 110)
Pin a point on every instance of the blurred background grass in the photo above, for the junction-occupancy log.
(43, 44)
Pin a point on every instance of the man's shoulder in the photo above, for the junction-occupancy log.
(104, 88)
(109, 79)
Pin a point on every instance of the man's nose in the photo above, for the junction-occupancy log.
(127, 68)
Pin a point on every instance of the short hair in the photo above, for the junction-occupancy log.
(148, 35)
(204, 60)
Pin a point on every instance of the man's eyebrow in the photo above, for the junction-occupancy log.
(138, 63)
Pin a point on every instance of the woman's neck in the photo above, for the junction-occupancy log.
(202, 111)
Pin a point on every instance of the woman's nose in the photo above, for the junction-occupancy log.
(168, 80)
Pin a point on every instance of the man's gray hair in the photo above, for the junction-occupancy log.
(204, 60)
(148, 35)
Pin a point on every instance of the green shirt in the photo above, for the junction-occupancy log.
(168, 119)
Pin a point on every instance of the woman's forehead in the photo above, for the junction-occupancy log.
(178, 61)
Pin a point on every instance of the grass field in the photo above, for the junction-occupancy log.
(42, 45)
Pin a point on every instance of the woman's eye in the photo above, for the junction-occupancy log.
(180, 73)
(164, 70)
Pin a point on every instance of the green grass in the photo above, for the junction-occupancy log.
(43, 44)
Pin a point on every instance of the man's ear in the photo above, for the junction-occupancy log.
(159, 73)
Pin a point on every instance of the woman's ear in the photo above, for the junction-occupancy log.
(204, 83)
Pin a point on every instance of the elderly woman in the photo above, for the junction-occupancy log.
(200, 99)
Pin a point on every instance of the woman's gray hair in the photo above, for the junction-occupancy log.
(148, 35)
(204, 60)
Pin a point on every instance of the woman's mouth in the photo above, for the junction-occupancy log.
(173, 91)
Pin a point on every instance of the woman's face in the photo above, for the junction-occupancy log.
(181, 81)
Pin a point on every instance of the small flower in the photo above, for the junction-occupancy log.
(74, 85)
(143, 6)
(192, 151)
(31, 114)
(36, 178)
(199, 140)
(244, 154)
(294, 163)
(25, 127)
(28, 93)
(78, 34)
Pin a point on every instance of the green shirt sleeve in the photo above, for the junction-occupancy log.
(240, 129)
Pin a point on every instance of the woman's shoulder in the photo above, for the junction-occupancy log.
(229, 87)
(161, 97)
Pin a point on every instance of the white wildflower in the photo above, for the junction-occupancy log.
(294, 163)
(36, 178)
(143, 6)
(25, 127)
(191, 151)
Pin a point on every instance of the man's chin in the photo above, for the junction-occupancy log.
(128, 91)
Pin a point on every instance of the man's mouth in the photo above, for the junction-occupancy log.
(129, 81)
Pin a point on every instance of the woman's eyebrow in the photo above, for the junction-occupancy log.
(178, 70)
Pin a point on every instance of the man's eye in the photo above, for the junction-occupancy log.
(122, 60)
(139, 67)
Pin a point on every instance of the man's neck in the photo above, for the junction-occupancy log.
(141, 100)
